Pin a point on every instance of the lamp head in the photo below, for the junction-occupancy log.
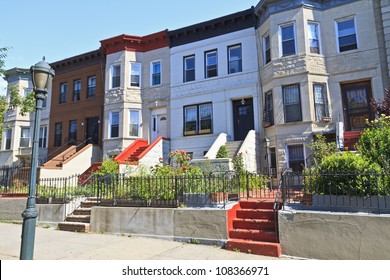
(42, 75)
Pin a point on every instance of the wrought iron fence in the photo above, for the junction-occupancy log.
(337, 191)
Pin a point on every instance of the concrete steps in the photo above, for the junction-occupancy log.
(79, 220)
(233, 147)
(254, 229)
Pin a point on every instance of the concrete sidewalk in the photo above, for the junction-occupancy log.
(51, 244)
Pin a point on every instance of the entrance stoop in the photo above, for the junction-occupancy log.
(255, 229)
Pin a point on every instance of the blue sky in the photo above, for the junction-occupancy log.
(61, 29)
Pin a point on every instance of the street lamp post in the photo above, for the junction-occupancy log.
(41, 74)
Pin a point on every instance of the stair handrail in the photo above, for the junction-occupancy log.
(53, 154)
(78, 147)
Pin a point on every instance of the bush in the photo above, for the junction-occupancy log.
(346, 174)
(222, 152)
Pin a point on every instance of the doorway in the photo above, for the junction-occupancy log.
(243, 118)
(92, 132)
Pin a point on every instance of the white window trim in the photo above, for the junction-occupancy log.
(280, 38)
(288, 154)
(140, 74)
(111, 74)
(151, 73)
(139, 122)
(229, 60)
(264, 50)
(44, 130)
(184, 68)
(337, 33)
(206, 76)
(110, 124)
(319, 37)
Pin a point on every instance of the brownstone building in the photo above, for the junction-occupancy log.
(77, 101)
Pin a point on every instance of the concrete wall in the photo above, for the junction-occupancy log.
(344, 236)
(175, 224)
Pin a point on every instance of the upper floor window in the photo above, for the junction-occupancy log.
(268, 109)
(155, 78)
(189, 68)
(346, 35)
(114, 124)
(8, 136)
(58, 134)
(235, 59)
(211, 65)
(134, 123)
(266, 49)
(63, 92)
(115, 73)
(24, 137)
(91, 91)
(198, 119)
(320, 101)
(287, 35)
(135, 76)
(42, 137)
(314, 37)
(76, 90)
(292, 103)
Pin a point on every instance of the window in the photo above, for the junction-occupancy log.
(288, 39)
(155, 70)
(314, 37)
(235, 59)
(272, 154)
(43, 137)
(114, 124)
(91, 91)
(72, 131)
(268, 109)
(266, 49)
(198, 119)
(24, 137)
(211, 65)
(346, 35)
(8, 136)
(57, 134)
(320, 101)
(63, 92)
(76, 90)
(292, 103)
(115, 76)
(135, 76)
(296, 158)
(134, 123)
(189, 68)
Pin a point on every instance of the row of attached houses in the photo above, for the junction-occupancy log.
(263, 81)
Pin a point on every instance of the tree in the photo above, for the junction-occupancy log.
(382, 106)
(3, 55)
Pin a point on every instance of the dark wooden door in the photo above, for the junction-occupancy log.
(93, 130)
(243, 118)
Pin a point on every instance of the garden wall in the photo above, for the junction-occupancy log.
(204, 225)
(334, 236)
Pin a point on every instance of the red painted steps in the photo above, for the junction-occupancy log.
(254, 229)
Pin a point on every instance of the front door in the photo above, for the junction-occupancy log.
(159, 124)
(356, 103)
(92, 130)
(243, 118)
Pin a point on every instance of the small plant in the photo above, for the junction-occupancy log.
(236, 250)
(46, 226)
(194, 241)
(222, 152)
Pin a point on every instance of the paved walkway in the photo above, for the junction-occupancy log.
(51, 244)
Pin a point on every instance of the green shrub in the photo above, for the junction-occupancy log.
(222, 152)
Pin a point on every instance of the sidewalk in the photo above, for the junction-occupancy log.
(51, 244)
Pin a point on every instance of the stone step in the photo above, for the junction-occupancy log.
(255, 214)
(260, 224)
(82, 211)
(74, 227)
(253, 234)
(88, 204)
(257, 204)
(254, 247)
(79, 218)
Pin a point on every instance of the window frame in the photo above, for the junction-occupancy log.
(72, 133)
(281, 27)
(325, 101)
(91, 87)
(296, 161)
(265, 49)
(207, 65)
(345, 19)
(186, 71)
(42, 142)
(309, 22)
(57, 136)
(113, 125)
(115, 81)
(269, 110)
(63, 92)
(24, 142)
(132, 68)
(299, 104)
(230, 61)
(8, 139)
(198, 122)
(153, 74)
(76, 90)
(138, 124)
